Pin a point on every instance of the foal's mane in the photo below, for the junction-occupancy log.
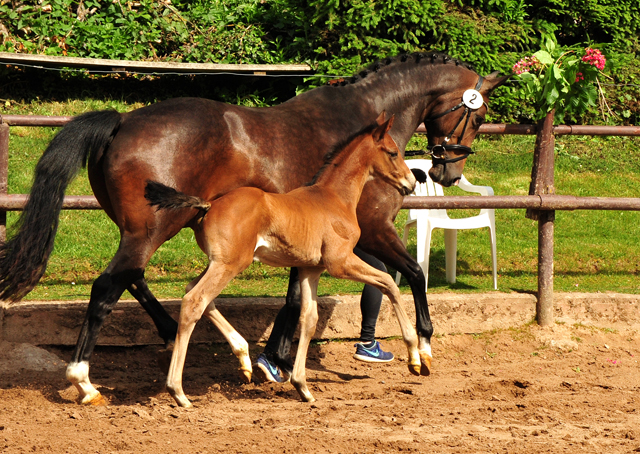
(430, 58)
(339, 148)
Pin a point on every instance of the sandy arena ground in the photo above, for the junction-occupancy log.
(570, 389)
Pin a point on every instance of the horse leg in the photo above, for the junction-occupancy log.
(105, 292)
(284, 326)
(166, 325)
(355, 269)
(238, 344)
(309, 278)
(384, 243)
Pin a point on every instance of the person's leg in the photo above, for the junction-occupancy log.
(368, 349)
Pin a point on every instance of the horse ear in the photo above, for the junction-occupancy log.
(494, 80)
(380, 119)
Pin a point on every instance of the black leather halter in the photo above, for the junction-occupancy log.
(437, 151)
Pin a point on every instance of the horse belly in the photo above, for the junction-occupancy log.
(272, 252)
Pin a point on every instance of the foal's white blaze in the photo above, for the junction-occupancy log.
(78, 375)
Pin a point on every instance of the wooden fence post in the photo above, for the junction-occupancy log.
(542, 182)
(4, 174)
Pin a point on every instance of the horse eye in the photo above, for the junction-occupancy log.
(478, 121)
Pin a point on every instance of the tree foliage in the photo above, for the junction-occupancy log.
(336, 37)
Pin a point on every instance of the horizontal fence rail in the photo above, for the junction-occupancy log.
(16, 202)
(543, 202)
(499, 129)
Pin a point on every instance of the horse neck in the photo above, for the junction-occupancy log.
(407, 89)
(347, 174)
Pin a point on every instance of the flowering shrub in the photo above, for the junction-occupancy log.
(564, 79)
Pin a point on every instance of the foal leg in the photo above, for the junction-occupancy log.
(381, 240)
(238, 344)
(309, 278)
(193, 306)
(356, 270)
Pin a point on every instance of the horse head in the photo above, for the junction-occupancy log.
(453, 123)
(388, 164)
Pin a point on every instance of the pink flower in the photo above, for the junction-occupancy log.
(579, 77)
(595, 58)
(526, 64)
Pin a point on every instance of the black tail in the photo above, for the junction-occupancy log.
(23, 258)
(165, 197)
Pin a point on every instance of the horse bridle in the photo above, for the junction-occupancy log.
(437, 151)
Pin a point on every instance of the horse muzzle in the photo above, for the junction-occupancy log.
(440, 174)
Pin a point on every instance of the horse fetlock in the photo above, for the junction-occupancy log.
(78, 375)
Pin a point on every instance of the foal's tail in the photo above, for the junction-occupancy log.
(168, 198)
(23, 258)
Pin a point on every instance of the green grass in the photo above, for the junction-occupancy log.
(594, 250)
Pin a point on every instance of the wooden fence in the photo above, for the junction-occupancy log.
(541, 204)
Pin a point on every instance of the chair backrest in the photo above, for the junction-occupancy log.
(426, 189)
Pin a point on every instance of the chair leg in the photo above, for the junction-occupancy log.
(494, 256)
(450, 253)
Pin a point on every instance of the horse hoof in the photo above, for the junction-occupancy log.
(414, 369)
(425, 366)
(245, 375)
(97, 401)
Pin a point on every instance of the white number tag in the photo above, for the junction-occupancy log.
(472, 99)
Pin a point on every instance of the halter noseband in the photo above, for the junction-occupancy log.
(437, 152)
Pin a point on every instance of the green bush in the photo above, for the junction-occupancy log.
(336, 37)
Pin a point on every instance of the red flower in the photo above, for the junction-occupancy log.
(595, 58)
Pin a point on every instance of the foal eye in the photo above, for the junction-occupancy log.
(393, 155)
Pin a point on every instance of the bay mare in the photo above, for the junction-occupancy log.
(207, 148)
(313, 228)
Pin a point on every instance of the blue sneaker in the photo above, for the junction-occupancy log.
(372, 353)
(266, 370)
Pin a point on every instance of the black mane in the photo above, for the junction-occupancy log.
(417, 57)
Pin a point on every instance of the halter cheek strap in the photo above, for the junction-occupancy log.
(437, 152)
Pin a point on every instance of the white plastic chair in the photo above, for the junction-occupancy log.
(427, 220)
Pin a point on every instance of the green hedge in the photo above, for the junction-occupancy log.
(336, 37)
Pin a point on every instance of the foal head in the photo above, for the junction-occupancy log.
(387, 162)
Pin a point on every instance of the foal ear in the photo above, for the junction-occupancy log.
(383, 128)
(380, 119)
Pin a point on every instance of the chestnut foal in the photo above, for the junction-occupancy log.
(313, 228)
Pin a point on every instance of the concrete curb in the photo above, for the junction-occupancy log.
(58, 323)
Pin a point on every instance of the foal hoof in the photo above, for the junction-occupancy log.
(415, 369)
(245, 375)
